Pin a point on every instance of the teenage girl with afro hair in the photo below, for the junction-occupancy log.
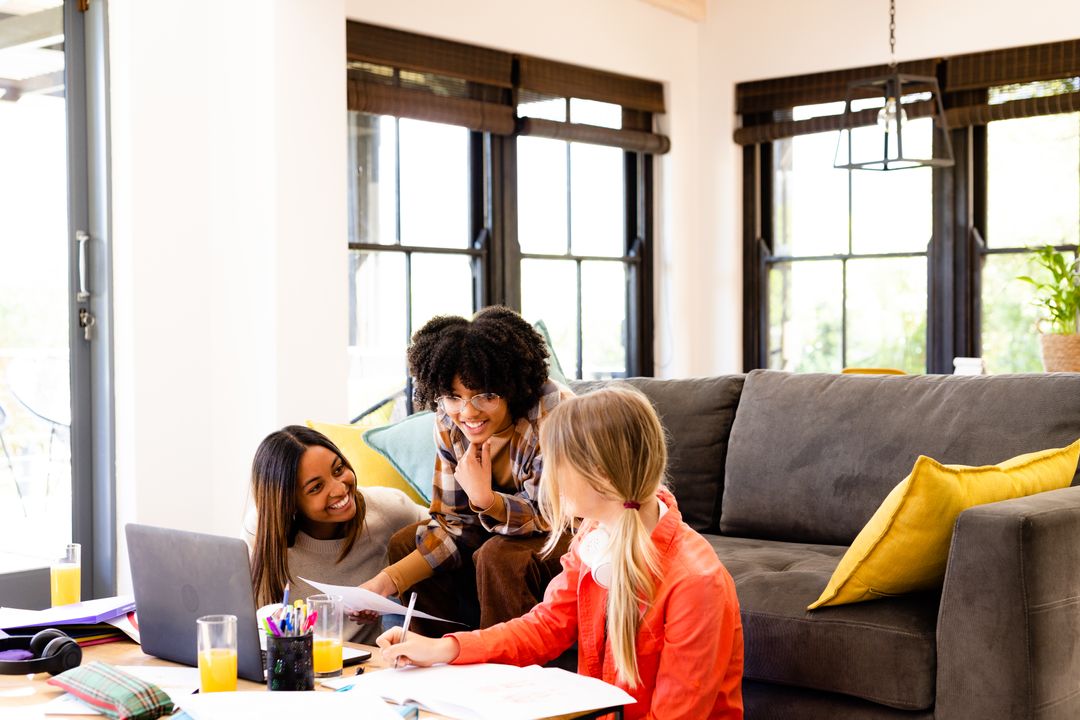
(477, 559)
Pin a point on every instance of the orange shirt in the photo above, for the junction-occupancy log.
(689, 645)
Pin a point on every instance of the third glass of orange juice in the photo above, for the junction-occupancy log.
(330, 610)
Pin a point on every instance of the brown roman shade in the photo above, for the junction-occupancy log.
(391, 72)
(546, 77)
(632, 140)
(783, 94)
(1013, 65)
(766, 105)
(971, 76)
(398, 73)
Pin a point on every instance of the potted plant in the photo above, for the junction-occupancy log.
(1060, 301)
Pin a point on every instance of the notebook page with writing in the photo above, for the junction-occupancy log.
(490, 691)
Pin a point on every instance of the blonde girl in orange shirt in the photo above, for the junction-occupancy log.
(644, 596)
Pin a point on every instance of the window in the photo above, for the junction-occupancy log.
(55, 452)
(575, 248)
(411, 255)
(1023, 214)
(846, 274)
(908, 269)
(461, 199)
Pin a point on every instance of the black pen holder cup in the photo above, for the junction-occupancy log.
(288, 663)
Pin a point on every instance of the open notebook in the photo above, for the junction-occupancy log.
(489, 691)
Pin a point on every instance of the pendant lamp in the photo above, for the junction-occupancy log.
(896, 145)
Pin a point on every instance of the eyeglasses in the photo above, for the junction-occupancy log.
(452, 404)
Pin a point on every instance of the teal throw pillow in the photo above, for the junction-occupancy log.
(409, 445)
(555, 371)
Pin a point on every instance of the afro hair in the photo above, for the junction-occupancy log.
(497, 351)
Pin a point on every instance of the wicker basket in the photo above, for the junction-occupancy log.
(1061, 353)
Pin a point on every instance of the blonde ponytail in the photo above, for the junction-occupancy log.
(614, 439)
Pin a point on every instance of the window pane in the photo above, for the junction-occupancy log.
(35, 382)
(434, 184)
(597, 208)
(549, 293)
(591, 112)
(886, 313)
(372, 179)
(441, 285)
(1033, 181)
(804, 316)
(603, 319)
(541, 195)
(1010, 338)
(378, 329)
(537, 106)
(810, 198)
(893, 211)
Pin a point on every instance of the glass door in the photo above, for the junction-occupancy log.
(45, 253)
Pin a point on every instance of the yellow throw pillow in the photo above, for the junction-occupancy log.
(905, 546)
(371, 468)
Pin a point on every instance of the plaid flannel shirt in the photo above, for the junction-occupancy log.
(454, 522)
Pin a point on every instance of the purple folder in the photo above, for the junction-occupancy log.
(84, 613)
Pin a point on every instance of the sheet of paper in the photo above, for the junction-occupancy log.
(360, 599)
(176, 682)
(287, 706)
(89, 612)
(127, 624)
(489, 691)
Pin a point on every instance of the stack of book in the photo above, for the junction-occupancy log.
(91, 623)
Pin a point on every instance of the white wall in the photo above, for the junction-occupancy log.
(228, 139)
(743, 41)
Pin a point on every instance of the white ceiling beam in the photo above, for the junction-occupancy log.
(42, 85)
(38, 29)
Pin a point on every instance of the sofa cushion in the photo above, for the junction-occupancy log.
(884, 652)
(697, 415)
(905, 546)
(812, 456)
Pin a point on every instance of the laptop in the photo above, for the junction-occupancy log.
(179, 576)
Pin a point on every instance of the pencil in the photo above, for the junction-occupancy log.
(405, 624)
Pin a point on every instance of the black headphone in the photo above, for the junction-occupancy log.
(53, 652)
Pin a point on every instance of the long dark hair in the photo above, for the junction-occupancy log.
(497, 351)
(273, 485)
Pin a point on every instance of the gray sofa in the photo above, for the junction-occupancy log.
(780, 472)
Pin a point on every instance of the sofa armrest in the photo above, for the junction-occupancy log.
(1009, 621)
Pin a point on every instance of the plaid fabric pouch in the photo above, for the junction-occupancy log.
(114, 693)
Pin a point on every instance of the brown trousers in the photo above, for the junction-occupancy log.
(503, 579)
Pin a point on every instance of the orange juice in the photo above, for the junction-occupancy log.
(64, 581)
(217, 670)
(327, 655)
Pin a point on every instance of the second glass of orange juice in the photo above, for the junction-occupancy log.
(327, 630)
(217, 653)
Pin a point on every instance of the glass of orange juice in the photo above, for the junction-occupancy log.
(327, 631)
(217, 652)
(65, 576)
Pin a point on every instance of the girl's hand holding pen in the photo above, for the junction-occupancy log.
(416, 649)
